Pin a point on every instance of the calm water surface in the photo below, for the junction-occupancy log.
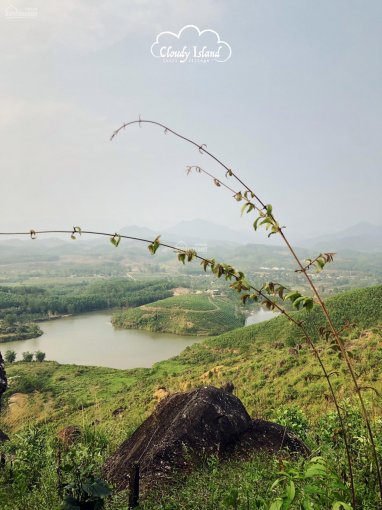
(90, 339)
(260, 316)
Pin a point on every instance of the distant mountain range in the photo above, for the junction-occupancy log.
(363, 237)
(192, 231)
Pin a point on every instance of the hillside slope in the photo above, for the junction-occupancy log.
(273, 381)
(185, 315)
(266, 371)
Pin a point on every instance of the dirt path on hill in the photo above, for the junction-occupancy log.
(164, 308)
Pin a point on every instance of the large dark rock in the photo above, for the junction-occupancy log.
(186, 427)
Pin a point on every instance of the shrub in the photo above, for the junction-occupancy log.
(40, 356)
(10, 356)
(294, 419)
(27, 356)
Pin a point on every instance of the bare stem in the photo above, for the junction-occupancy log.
(203, 150)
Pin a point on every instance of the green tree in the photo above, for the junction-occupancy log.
(40, 356)
(27, 356)
(10, 320)
(10, 356)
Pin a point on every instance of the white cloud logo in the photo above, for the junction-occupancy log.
(191, 45)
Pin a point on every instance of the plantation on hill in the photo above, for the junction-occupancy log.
(196, 314)
(30, 302)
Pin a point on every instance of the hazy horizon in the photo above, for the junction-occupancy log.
(296, 111)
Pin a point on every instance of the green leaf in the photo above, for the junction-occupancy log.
(218, 270)
(182, 257)
(306, 504)
(276, 483)
(115, 240)
(292, 295)
(76, 230)
(205, 263)
(154, 245)
(249, 206)
(320, 264)
(269, 208)
(290, 491)
(340, 505)
(314, 470)
(190, 255)
(308, 304)
(277, 504)
(299, 301)
(238, 196)
(256, 222)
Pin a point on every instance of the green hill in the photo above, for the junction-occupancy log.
(259, 359)
(195, 314)
(273, 379)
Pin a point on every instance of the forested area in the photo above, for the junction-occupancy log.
(38, 303)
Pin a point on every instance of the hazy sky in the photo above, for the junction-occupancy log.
(296, 111)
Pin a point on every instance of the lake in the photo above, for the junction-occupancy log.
(90, 339)
(260, 316)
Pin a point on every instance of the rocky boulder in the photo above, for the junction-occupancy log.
(187, 427)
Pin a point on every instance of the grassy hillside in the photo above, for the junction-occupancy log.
(196, 314)
(273, 379)
(266, 371)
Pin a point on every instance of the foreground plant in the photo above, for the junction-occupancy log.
(266, 218)
(310, 487)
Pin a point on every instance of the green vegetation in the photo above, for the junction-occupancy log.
(40, 356)
(274, 381)
(27, 356)
(39, 303)
(10, 356)
(196, 314)
(24, 263)
(362, 307)
(12, 328)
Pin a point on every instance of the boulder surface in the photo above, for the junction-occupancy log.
(187, 427)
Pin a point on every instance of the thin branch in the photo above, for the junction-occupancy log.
(202, 148)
